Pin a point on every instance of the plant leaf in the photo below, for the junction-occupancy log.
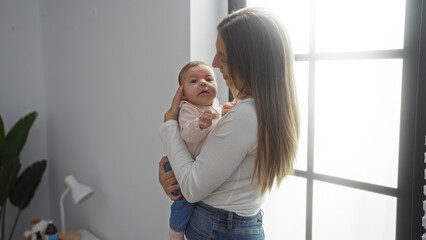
(2, 137)
(17, 136)
(8, 174)
(27, 184)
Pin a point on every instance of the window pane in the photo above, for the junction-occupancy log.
(302, 84)
(346, 25)
(295, 16)
(351, 214)
(285, 210)
(357, 118)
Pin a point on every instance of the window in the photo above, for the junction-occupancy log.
(362, 123)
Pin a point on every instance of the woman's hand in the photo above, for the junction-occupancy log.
(168, 180)
(173, 112)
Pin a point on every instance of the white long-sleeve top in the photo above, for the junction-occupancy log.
(222, 172)
(189, 123)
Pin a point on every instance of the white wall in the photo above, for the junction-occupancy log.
(205, 16)
(101, 74)
(21, 92)
(111, 70)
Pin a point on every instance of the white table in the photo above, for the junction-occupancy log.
(86, 235)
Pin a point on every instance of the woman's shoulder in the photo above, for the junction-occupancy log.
(244, 110)
(239, 123)
(246, 106)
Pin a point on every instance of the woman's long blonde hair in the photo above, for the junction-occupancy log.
(260, 56)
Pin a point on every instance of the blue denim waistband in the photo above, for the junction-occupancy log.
(227, 217)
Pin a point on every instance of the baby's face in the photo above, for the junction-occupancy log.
(199, 85)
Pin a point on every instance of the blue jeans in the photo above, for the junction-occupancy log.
(208, 222)
(180, 211)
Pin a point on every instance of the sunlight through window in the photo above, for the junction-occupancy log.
(348, 73)
(359, 25)
(294, 15)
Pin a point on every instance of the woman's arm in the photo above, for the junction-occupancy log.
(223, 151)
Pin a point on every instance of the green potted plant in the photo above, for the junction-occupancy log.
(18, 188)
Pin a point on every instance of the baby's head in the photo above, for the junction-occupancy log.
(199, 83)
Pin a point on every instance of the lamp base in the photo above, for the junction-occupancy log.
(70, 235)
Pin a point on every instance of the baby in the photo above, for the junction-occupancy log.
(198, 114)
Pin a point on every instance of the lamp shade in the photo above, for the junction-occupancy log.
(79, 192)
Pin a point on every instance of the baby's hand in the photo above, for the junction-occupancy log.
(226, 107)
(206, 119)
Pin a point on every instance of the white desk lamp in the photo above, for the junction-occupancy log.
(79, 193)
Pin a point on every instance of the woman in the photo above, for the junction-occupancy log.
(253, 146)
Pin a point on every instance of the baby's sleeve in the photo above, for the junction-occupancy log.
(189, 124)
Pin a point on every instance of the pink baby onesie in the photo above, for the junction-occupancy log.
(189, 124)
